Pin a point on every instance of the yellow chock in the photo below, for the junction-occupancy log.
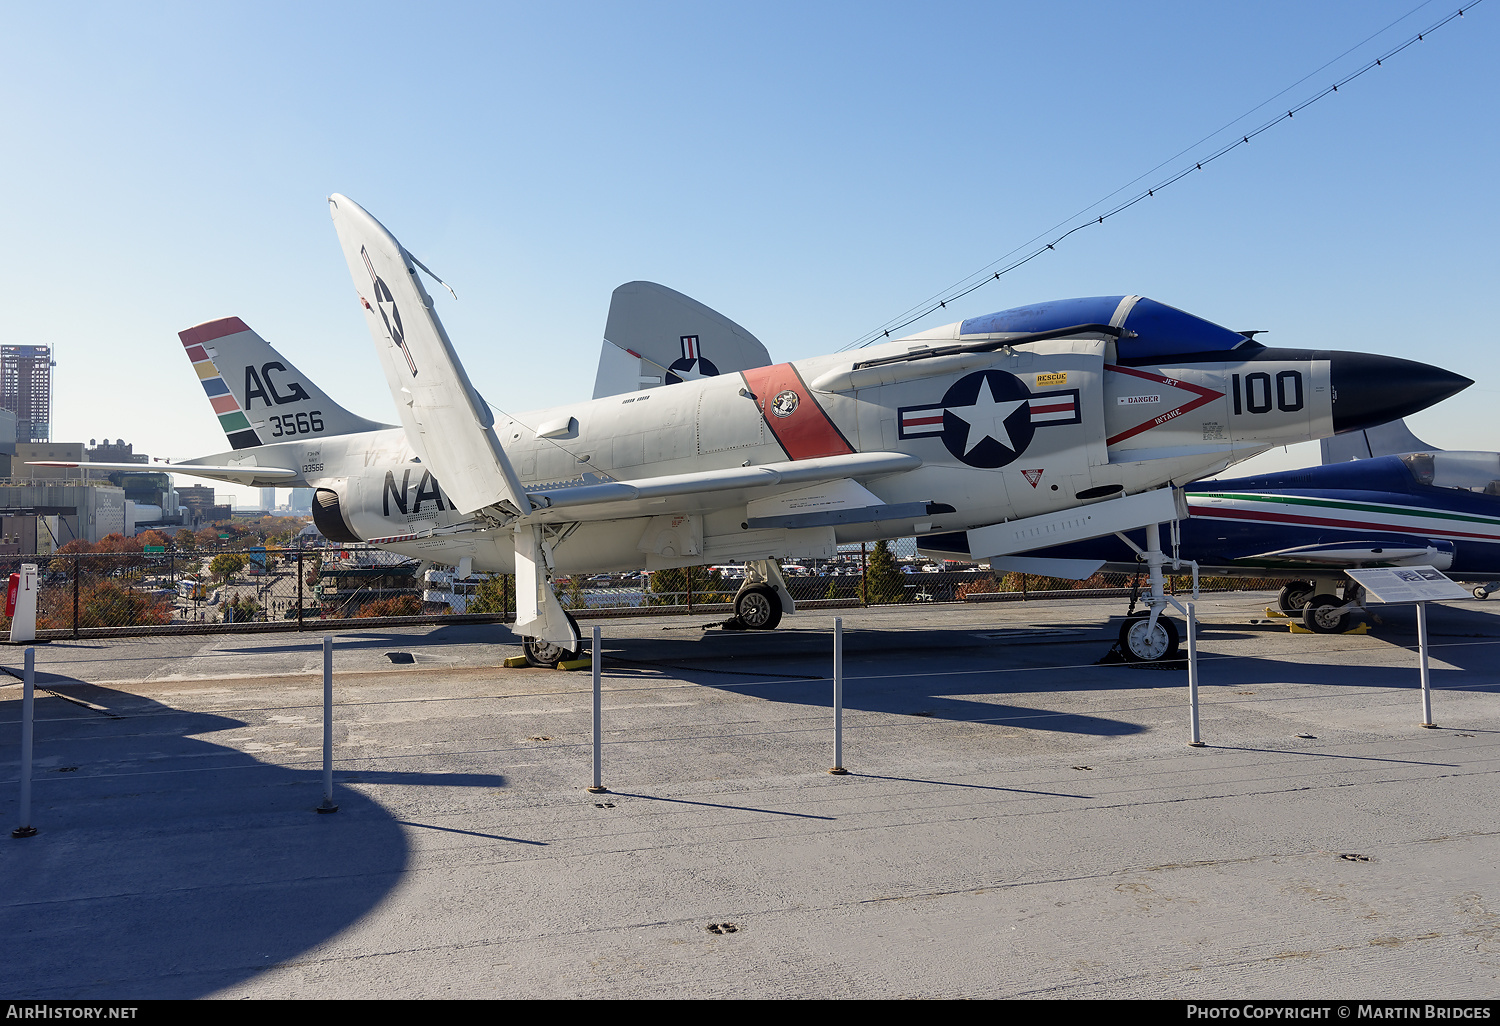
(1363, 628)
(1297, 628)
(575, 664)
(1276, 613)
(513, 662)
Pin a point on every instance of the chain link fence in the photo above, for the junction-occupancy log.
(261, 589)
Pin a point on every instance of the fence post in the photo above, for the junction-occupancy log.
(864, 597)
(596, 657)
(838, 698)
(328, 805)
(77, 566)
(28, 705)
(689, 571)
(299, 589)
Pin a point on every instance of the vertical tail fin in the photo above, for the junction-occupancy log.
(1381, 440)
(655, 336)
(256, 393)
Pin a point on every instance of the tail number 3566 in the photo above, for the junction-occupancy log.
(299, 424)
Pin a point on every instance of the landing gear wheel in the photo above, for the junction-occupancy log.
(547, 653)
(1481, 592)
(1141, 643)
(1294, 595)
(758, 607)
(1321, 615)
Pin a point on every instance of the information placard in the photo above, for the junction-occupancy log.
(1408, 584)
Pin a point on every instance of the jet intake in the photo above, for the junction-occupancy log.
(329, 518)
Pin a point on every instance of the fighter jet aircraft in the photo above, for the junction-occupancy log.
(1382, 498)
(1034, 426)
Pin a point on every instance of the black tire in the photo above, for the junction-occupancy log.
(1481, 592)
(1138, 645)
(758, 607)
(546, 654)
(1294, 595)
(1319, 615)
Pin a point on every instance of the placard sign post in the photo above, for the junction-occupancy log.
(1418, 585)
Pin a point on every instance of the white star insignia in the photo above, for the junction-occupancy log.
(986, 417)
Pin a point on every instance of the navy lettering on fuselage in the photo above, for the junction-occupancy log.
(263, 386)
(424, 492)
(390, 492)
(427, 491)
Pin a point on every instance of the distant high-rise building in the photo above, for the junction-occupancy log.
(268, 499)
(26, 390)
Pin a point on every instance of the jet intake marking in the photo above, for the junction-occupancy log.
(804, 430)
(388, 312)
(1204, 395)
(987, 419)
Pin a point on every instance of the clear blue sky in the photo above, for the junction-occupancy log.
(809, 169)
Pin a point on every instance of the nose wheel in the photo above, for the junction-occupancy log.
(1143, 642)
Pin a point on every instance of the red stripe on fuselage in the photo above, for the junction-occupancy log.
(807, 433)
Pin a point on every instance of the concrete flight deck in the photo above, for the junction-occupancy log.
(1017, 822)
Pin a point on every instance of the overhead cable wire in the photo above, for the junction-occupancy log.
(968, 285)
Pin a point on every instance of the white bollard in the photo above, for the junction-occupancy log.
(1192, 618)
(838, 697)
(28, 705)
(596, 661)
(1422, 651)
(23, 623)
(328, 805)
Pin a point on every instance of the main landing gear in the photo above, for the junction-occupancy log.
(1319, 604)
(762, 599)
(550, 653)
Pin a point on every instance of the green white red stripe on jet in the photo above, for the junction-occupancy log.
(1342, 514)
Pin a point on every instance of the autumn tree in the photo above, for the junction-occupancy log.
(883, 581)
(225, 565)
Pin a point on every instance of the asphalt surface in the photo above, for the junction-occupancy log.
(1017, 820)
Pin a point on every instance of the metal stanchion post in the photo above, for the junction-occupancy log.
(596, 659)
(1192, 618)
(1422, 650)
(838, 696)
(328, 805)
(28, 705)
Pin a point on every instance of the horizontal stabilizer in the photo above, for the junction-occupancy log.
(242, 474)
(656, 336)
(447, 422)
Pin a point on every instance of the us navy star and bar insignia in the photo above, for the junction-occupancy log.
(987, 419)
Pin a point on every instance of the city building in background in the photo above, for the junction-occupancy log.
(26, 390)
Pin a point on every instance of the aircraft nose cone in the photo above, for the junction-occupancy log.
(1370, 390)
